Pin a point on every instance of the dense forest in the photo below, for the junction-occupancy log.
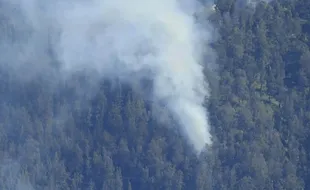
(259, 111)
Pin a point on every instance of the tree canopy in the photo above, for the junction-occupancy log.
(259, 113)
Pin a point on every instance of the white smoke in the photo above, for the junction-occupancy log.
(157, 40)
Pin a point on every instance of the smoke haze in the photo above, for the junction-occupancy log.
(130, 41)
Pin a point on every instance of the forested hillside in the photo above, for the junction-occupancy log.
(259, 110)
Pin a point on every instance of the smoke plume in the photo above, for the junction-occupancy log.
(131, 41)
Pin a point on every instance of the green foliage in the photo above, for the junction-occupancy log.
(259, 111)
